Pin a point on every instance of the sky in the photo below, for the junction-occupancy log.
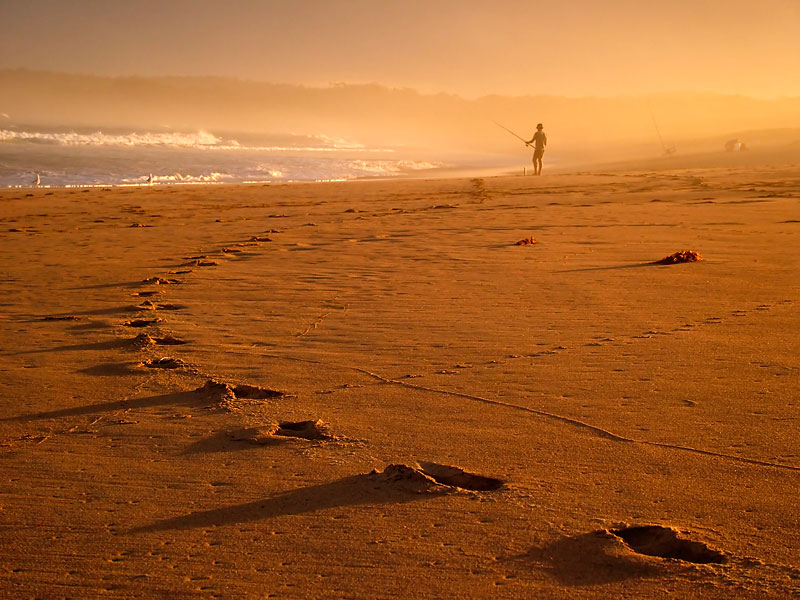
(471, 48)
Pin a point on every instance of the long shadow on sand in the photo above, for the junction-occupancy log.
(100, 286)
(111, 370)
(590, 559)
(189, 399)
(109, 345)
(636, 266)
(349, 491)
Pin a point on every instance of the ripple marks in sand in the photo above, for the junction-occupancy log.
(665, 542)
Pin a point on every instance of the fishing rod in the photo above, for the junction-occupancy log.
(511, 132)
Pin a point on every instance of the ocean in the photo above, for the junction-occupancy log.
(92, 156)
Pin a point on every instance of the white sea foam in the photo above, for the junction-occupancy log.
(87, 157)
(199, 140)
(391, 167)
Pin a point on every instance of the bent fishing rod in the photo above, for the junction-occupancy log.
(511, 132)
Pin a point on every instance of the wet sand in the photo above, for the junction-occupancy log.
(370, 390)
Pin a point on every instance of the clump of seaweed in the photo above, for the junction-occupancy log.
(682, 256)
(528, 241)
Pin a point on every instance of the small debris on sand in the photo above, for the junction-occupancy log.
(682, 256)
(529, 241)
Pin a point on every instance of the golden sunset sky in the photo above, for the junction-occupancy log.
(471, 48)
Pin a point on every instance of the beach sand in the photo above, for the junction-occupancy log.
(642, 418)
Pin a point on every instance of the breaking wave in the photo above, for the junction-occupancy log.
(89, 156)
(199, 140)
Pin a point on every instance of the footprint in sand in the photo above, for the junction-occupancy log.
(453, 476)
(231, 396)
(306, 430)
(160, 281)
(62, 318)
(141, 322)
(665, 542)
(165, 362)
(429, 477)
(144, 341)
(201, 263)
(148, 305)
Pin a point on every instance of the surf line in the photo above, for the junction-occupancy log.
(599, 431)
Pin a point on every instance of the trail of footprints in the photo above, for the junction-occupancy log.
(422, 478)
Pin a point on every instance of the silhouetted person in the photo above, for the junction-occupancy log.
(539, 141)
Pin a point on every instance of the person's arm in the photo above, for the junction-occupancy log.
(544, 138)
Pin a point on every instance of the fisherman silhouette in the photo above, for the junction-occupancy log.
(539, 141)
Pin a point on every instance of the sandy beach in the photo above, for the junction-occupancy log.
(370, 390)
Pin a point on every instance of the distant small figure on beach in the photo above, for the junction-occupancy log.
(37, 180)
(539, 141)
(150, 179)
(735, 145)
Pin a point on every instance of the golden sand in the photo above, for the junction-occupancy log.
(367, 390)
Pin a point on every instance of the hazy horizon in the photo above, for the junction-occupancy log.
(469, 48)
(379, 115)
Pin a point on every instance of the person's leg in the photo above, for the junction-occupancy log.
(537, 165)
